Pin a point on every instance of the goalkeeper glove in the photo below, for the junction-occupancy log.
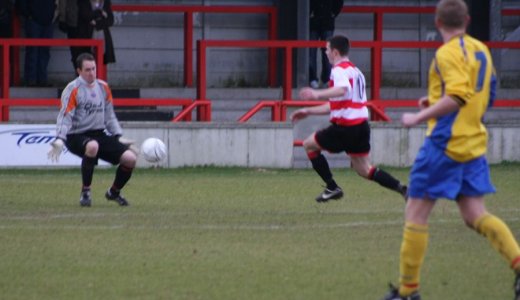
(130, 143)
(55, 152)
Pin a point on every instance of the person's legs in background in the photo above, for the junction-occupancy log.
(313, 52)
(43, 57)
(325, 64)
(32, 30)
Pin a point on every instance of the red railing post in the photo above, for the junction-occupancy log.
(4, 109)
(201, 69)
(271, 60)
(16, 51)
(377, 57)
(276, 111)
(188, 48)
(287, 86)
(102, 69)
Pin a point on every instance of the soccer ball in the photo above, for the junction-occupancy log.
(153, 150)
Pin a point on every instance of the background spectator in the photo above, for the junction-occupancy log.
(6, 30)
(6, 11)
(68, 23)
(79, 18)
(39, 16)
(96, 14)
(322, 17)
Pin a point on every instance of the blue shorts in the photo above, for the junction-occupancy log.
(434, 175)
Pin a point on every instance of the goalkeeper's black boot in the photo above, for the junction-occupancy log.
(112, 196)
(394, 295)
(327, 195)
(85, 199)
(517, 287)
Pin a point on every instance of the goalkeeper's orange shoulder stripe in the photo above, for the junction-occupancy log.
(107, 90)
(73, 102)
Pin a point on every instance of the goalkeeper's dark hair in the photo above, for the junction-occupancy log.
(83, 57)
(340, 43)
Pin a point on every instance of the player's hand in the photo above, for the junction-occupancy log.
(126, 141)
(299, 114)
(55, 152)
(130, 143)
(409, 119)
(308, 93)
(423, 102)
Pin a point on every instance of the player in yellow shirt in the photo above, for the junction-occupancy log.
(451, 163)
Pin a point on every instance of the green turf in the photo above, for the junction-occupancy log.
(230, 233)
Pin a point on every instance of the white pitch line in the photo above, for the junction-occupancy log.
(254, 227)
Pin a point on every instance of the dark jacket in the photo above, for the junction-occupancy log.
(67, 14)
(5, 12)
(323, 13)
(86, 14)
(40, 11)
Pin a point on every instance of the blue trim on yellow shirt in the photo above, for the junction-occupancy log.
(441, 134)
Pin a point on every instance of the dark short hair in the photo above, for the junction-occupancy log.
(83, 57)
(340, 43)
(452, 13)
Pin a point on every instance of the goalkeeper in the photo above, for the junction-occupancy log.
(85, 116)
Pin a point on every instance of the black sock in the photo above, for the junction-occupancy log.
(87, 170)
(321, 166)
(385, 179)
(123, 174)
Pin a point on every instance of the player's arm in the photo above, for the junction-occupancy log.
(302, 113)
(67, 111)
(447, 104)
(64, 122)
(332, 92)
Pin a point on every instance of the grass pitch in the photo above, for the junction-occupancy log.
(229, 233)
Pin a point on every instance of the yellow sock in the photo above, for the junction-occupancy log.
(413, 250)
(500, 237)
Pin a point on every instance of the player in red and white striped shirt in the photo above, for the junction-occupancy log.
(349, 130)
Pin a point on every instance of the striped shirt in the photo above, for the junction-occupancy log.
(350, 108)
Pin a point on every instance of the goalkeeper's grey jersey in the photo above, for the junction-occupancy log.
(86, 107)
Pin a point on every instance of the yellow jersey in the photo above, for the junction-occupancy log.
(462, 68)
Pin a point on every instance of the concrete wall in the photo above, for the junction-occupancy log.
(218, 144)
(270, 144)
(396, 146)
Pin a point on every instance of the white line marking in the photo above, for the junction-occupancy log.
(255, 227)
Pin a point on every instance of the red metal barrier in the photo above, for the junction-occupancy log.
(376, 46)
(203, 111)
(279, 108)
(188, 11)
(273, 104)
(288, 47)
(378, 12)
(35, 102)
(6, 44)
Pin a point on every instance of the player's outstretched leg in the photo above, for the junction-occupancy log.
(327, 195)
(501, 238)
(388, 181)
(321, 166)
